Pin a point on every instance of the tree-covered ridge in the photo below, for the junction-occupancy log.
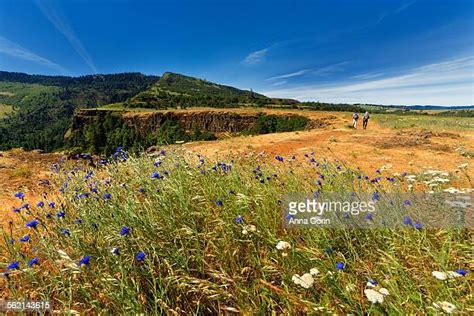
(175, 90)
(44, 105)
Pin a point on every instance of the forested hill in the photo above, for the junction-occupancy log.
(176, 90)
(40, 108)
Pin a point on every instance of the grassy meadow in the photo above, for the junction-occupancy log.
(435, 123)
(176, 233)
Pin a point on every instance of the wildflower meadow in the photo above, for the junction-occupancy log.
(178, 233)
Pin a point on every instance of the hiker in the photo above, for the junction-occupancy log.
(355, 117)
(365, 120)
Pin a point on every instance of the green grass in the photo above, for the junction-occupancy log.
(14, 93)
(5, 109)
(424, 121)
(200, 261)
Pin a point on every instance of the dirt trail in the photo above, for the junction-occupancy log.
(406, 150)
(22, 171)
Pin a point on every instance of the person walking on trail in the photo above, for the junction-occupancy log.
(355, 117)
(365, 119)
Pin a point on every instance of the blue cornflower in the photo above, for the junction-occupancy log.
(155, 175)
(219, 203)
(163, 152)
(406, 202)
(418, 226)
(85, 261)
(140, 256)
(369, 216)
(376, 180)
(107, 196)
(33, 261)
(26, 206)
(125, 230)
(239, 219)
(16, 210)
(340, 266)
(25, 238)
(78, 221)
(289, 216)
(157, 163)
(373, 282)
(115, 251)
(52, 204)
(279, 158)
(20, 195)
(376, 196)
(407, 220)
(61, 214)
(40, 204)
(66, 232)
(378, 171)
(232, 192)
(13, 265)
(49, 215)
(461, 272)
(88, 175)
(32, 224)
(141, 190)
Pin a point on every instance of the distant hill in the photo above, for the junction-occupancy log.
(175, 90)
(437, 107)
(42, 106)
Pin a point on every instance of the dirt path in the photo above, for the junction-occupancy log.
(24, 172)
(369, 149)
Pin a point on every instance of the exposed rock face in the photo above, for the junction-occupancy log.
(214, 121)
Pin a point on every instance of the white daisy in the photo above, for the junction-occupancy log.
(446, 306)
(374, 296)
(247, 229)
(445, 275)
(314, 271)
(283, 245)
(306, 280)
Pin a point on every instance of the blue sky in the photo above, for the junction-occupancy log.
(389, 52)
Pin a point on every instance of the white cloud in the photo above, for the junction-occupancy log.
(255, 57)
(10, 48)
(293, 74)
(279, 83)
(330, 69)
(445, 83)
(55, 16)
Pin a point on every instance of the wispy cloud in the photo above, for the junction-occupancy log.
(368, 76)
(398, 10)
(289, 75)
(255, 57)
(55, 16)
(444, 83)
(330, 69)
(279, 83)
(13, 49)
(404, 7)
(314, 72)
